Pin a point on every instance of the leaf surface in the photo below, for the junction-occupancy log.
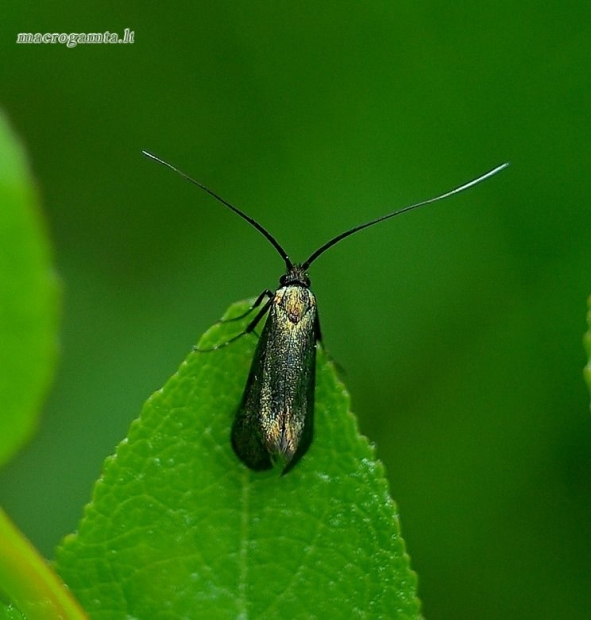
(179, 528)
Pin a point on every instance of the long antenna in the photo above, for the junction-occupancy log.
(351, 231)
(243, 215)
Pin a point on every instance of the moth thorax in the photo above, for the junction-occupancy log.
(295, 302)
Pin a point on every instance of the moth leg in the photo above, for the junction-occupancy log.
(317, 330)
(266, 293)
(251, 325)
(319, 343)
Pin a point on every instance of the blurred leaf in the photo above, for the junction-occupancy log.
(29, 582)
(9, 612)
(28, 299)
(178, 527)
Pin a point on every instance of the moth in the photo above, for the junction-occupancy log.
(274, 422)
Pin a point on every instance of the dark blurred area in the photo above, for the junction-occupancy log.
(459, 325)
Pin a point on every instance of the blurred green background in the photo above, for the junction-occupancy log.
(459, 325)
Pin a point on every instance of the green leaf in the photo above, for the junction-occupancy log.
(28, 326)
(28, 300)
(29, 582)
(179, 528)
(9, 612)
